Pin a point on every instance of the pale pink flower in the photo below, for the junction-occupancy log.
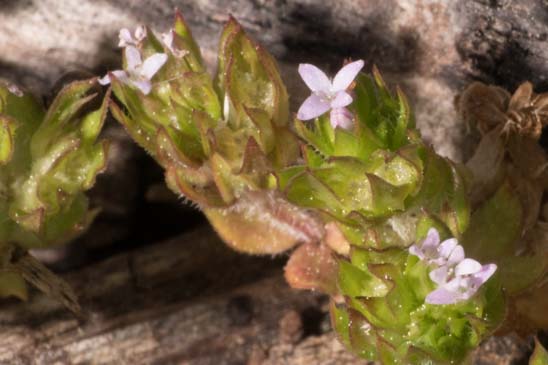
(460, 282)
(457, 278)
(138, 73)
(434, 252)
(329, 94)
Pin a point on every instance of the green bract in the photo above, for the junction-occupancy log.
(47, 160)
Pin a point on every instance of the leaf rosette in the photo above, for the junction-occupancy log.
(219, 139)
(48, 159)
(378, 189)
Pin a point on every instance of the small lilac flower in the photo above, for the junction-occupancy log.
(458, 278)
(126, 39)
(137, 72)
(434, 252)
(460, 283)
(329, 95)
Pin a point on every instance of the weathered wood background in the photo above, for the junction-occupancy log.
(157, 286)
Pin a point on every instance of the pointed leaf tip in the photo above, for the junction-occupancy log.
(540, 355)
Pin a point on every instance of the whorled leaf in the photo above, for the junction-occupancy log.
(382, 189)
(65, 160)
(48, 160)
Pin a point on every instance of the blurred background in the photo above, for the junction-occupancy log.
(155, 282)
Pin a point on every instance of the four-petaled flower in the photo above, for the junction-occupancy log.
(457, 278)
(137, 73)
(329, 95)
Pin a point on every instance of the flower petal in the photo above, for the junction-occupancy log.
(143, 85)
(346, 75)
(457, 255)
(140, 33)
(314, 78)
(467, 267)
(431, 242)
(120, 75)
(416, 251)
(442, 296)
(105, 80)
(313, 107)
(341, 117)
(485, 273)
(152, 65)
(133, 57)
(447, 246)
(439, 275)
(125, 37)
(342, 99)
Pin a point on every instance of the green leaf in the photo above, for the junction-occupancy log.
(361, 335)
(250, 76)
(7, 136)
(494, 227)
(387, 117)
(340, 321)
(359, 283)
(443, 193)
(47, 161)
(70, 100)
(540, 355)
(186, 42)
